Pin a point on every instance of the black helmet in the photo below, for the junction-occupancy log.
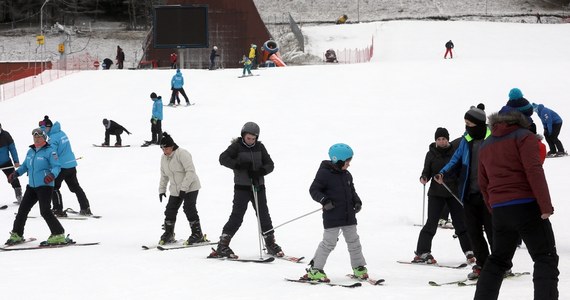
(250, 127)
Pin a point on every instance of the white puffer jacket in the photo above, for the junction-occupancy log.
(178, 169)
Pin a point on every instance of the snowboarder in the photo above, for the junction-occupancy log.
(448, 47)
(515, 189)
(155, 120)
(113, 128)
(177, 86)
(439, 154)
(552, 124)
(7, 149)
(42, 166)
(213, 56)
(333, 188)
(177, 168)
(250, 162)
(246, 66)
(60, 142)
(466, 158)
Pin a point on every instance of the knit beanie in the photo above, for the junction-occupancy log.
(167, 141)
(45, 122)
(441, 132)
(515, 93)
(153, 95)
(476, 115)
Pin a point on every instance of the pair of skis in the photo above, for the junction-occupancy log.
(460, 266)
(17, 247)
(346, 285)
(176, 245)
(468, 282)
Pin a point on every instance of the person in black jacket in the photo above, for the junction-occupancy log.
(334, 190)
(113, 128)
(7, 149)
(439, 154)
(120, 57)
(213, 56)
(448, 46)
(250, 162)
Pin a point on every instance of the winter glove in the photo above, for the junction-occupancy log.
(438, 178)
(357, 206)
(327, 204)
(12, 176)
(182, 195)
(161, 195)
(153, 120)
(49, 178)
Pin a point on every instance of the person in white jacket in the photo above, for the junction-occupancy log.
(177, 168)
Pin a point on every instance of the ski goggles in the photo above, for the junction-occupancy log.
(38, 132)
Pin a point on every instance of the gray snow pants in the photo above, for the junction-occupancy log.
(327, 245)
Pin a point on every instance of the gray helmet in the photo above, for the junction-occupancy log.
(250, 127)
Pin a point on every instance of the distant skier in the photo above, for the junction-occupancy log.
(253, 56)
(7, 149)
(155, 120)
(173, 60)
(213, 55)
(113, 128)
(177, 86)
(448, 47)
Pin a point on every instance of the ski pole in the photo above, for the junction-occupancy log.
(13, 167)
(424, 206)
(452, 194)
(254, 191)
(295, 219)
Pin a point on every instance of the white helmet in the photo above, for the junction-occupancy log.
(215, 47)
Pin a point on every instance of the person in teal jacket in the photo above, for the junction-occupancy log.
(177, 86)
(552, 124)
(60, 142)
(42, 166)
(155, 121)
(465, 160)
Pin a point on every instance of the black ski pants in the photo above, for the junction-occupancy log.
(175, 95)
(156, 131)
(42, 195)
(117, 133)
(243, 195)
(478, 220)
(554, 143)
(69, 175)
(15, 183)
(435, 207)
(189, 208)
(509, 223)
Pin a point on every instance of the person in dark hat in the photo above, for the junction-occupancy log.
(466, 157)
(155, 120)
(177, 171)
(514, 187)
(7, 149)
(439, 154)
(518, 102)
(250, 162)
(113, 128)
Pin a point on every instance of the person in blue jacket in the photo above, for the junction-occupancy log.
(60, 142)
(177, 86)
(552, 124)
(42, 166)
(466, 159)
(7, 148)
(155, 121)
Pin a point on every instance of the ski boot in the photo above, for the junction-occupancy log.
(223, 249)
(58, 213)
(470, 256)
(424, 258)
(18, 192)
(272, 247)
(85, 212)
(168, 235)
(476, 271)
(14, 239)
(314, 274)
(57, 239)
(360, 272)
(197, 236)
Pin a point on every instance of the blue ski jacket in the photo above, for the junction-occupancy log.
(177, 80)
(39, 163)
(548, 117)
(7, 148)
(60, 142)
(157, 108)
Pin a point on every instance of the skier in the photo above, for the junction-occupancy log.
(7, 149)
(60, 142)
(173, 60)
(177, 86)
(246, 66)
(466, 157)
(515, 189)
(250, 162)
(334, 189)
(448, 46)
(439, 154)
(177, 168)
(155, 120)
(552, 124)
(113, 128)
(42, 166)
(213, 56)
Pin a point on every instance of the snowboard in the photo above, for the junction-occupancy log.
(111, 146)
(242, 76)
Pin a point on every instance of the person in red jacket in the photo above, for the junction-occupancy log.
(515, 190)
(173, 60)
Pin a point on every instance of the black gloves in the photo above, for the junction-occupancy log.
(160, 196)
(12, 176)
(327, 204)
(357, 206)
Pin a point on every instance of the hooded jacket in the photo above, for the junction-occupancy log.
(547, 117)
(60, 142)
(177, 81)
(7, 148)
(334, 184)
(178, 170)
(510, 170)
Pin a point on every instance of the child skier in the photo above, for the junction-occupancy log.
(334, 190)
(246, 66)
